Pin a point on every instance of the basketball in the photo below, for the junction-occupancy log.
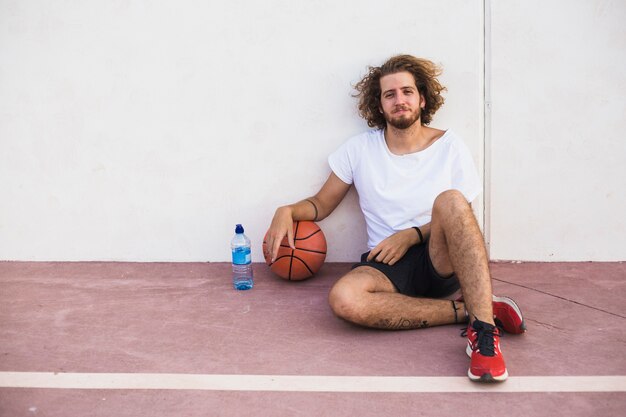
(304, 261)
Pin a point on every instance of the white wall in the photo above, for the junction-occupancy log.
(144, 130)
(558, 152)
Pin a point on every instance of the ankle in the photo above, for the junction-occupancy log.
(489, 321)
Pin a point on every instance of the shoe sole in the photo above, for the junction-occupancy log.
(515, 329)
(487, 377)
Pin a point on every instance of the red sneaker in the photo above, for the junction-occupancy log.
(483, 348)
(507, 315)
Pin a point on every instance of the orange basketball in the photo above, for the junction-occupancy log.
(304, 261)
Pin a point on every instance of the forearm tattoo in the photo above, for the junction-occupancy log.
(401, 324)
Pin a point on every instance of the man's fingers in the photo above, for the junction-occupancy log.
(387, 259)
(278, 240)
(290, 241)
(275, 247)
(380, 257)
(396, 257)
(373, 253)
(389, 251)
(268, 247)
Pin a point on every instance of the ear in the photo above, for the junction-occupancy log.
(422, 102)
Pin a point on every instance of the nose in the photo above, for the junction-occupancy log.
(399, 98)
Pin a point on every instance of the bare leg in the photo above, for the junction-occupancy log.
(456, 245)
(365, 296)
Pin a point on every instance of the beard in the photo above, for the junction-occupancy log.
(405, 121)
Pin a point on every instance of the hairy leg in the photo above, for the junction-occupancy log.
(456, 245)
(365, 296)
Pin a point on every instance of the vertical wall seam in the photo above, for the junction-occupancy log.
(487, 123)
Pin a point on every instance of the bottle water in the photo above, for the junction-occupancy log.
(242, 260)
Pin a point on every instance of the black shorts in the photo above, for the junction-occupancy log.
(414, 274)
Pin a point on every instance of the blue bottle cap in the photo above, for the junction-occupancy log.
(239, 229)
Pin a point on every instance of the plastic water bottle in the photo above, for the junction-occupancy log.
(242, 260)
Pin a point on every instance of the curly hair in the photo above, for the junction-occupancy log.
(425, 74)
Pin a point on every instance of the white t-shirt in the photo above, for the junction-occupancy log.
(398, 191)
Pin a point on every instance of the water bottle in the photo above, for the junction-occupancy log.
(242, 260)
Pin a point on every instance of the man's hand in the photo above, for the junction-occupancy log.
(391, 249)
(313, 208)
(282, 225)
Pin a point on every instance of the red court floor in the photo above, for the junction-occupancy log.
(174, 339)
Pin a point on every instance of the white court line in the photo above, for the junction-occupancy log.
(307, 383)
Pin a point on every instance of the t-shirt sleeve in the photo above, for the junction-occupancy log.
(340, 162)
(464, 173)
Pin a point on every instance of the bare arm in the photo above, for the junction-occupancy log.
(314, 208)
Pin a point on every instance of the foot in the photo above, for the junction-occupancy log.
(483, 348)
(507, 315)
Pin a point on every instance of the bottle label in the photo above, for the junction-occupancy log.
(241, 256)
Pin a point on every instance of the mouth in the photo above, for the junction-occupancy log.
(401, 111)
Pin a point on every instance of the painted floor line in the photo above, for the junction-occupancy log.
(295, 383)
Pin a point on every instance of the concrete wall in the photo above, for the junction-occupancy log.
(558, 120)
(144, 131)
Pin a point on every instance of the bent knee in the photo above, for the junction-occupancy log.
(344, 301)
(451, 200)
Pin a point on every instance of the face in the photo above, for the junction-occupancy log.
(400, 101)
